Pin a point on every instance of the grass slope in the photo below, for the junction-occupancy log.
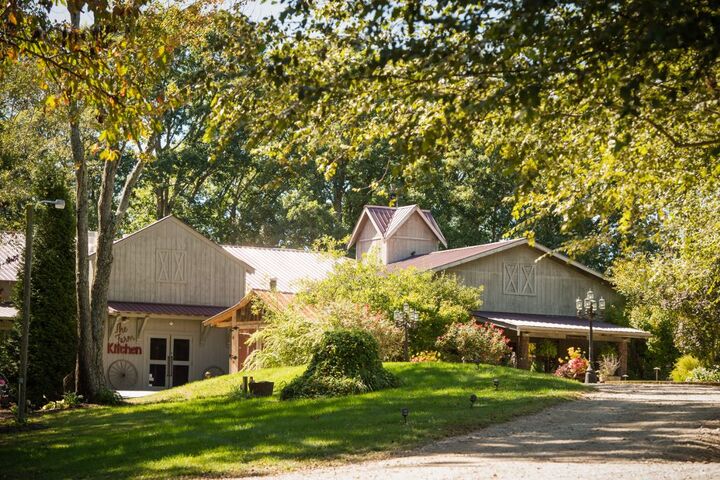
(203, 429)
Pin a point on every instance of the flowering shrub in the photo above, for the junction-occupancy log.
(425, 357)
(703, 374)
(572, 366)
(473, 342)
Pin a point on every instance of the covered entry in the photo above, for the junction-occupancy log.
(525, 328)
(246, 317)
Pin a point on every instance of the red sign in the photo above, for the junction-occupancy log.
(123, 349)
(121, 338)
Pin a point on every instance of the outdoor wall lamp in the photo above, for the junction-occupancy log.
(587, 310)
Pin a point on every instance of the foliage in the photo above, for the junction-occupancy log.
(546, 350)
(439, 299)
(429, 356)
(609, 363)
(563, 105)
(201, 417)
(53, 322)
(573, 366)
(703, 374)
(346, 362)
(684, 366)
(474, 343)
(673, 290)
(106, 396)
(291, 335)
(69, 400)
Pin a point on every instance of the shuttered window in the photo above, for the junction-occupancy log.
(519, 279)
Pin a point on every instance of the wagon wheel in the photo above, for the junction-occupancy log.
(122, 374)
(213, 371)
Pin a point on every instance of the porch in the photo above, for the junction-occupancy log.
(525, 330)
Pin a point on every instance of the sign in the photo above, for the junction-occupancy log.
(121, 341)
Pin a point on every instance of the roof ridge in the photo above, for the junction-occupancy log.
(282, 249)
(478, 245)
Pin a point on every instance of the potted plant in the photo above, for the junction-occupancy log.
(609, 364)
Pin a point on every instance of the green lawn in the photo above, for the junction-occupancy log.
(202, 429)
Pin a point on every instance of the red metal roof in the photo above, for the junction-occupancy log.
(439, 259)
(388, 219)
(564, 323)
(203, 311)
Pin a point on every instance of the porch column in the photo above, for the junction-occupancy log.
(234, 343)
(623, 356)
(523, 351)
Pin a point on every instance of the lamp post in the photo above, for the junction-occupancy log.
(587, 310)
(25, 330)
(406, 319)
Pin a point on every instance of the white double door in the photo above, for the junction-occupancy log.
(169, 360)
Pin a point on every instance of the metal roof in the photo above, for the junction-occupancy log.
(276, 301)
(558, 323)
(388, 219)
(204, 311)
(7, 311)
(11, 248)
(287, 266)
(444, 259)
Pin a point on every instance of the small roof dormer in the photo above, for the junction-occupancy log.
(396, 232)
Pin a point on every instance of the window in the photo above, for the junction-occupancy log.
(170, 266)
(519, 279)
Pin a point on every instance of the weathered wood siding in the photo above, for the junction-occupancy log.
(169, 262)
(209, 350)
(514, 282)
(413, 236)
(369, 239)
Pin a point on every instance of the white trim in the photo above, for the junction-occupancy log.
(356, 230)
(419, 211)
(516, 243)
(249, 268)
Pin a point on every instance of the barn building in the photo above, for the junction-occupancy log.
(180, 305)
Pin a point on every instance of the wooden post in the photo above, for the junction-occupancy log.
(623, 356)
(234, 344)
(523, 351)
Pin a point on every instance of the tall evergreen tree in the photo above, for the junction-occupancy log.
(53, 318)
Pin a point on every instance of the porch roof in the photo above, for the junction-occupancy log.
(539, 324)
(169, 309)
(272, 299)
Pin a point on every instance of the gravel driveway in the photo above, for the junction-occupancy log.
(625, 431)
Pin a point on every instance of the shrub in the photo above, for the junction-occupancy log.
(107, 397)
(292, 335)
(609, 363)
(702, 374)
(69, 400)
(52, 344)
(345, 362)
(473, 342)
(683, 367)
(573, 366)
(439, 299)
(425, 357)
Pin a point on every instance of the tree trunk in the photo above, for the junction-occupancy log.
(88, 375)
